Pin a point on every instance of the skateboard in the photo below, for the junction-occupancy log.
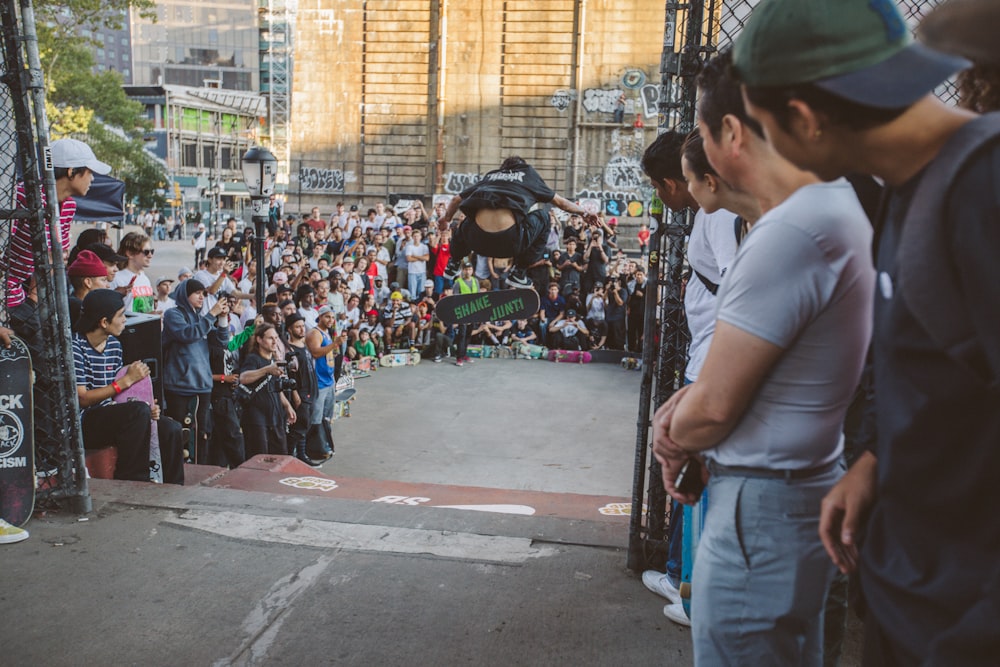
(143, 391)
(342, 402)
(189, 435)
(508, 304)
(529, 351)
(694, 521)
(569, 356)
(631, 363)
(399, 358)
(17, 440)
(363, 367)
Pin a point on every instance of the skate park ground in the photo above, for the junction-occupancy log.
(471, 515)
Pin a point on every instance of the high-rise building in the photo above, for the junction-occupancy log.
(192, 43)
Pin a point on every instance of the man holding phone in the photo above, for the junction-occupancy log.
(215, 277)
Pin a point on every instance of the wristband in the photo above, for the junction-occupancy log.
(116, 386)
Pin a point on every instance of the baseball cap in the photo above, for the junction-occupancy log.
(964, 27)
(292, 319)
(396, 295)
(87, 265)
(68, 153)
(394, 285)
(216, 253)
(185, 271)
(858, 50)
(97, 305)
(348, 259)
(106, 253)
(570, 313)
(354, 207)
(163, 279)
(428, 283)
(323, 310)
(407, 228)
(280, 278)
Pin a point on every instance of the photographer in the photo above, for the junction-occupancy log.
(266, 411)
(596, 259)
(302, 368)
(216, 278)
(187, 372)
(614, 313)
(569, 333)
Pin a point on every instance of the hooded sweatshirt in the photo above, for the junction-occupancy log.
(187, 336)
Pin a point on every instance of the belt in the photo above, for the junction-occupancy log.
(770, 473)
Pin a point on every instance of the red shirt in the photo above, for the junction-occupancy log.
(18, 262)
(443, 255)
(316, 225)
(643, 236)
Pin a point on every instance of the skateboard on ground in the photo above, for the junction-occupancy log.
(529, 350)
(507, 304)
(399, 358)
(363, 367)
(143, 391)
(17, 435)
(694, 521)
(342, 400)
(569, 356)
(631, 363)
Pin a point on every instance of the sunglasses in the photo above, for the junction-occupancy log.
(148, 252)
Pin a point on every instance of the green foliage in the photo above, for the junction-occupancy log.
(93, 106)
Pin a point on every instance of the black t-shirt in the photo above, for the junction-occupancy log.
(305, 373)
(517, 189)
(264, 406)
(569, 274)
(931, 559)
(612, 311)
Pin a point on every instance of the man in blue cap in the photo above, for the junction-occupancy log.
(840, 88)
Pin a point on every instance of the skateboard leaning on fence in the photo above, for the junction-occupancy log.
(399, 358)
(569, 357)
(17, 436)
(507, 304)
(143, 391)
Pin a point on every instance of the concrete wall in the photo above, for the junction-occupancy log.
(420, 96)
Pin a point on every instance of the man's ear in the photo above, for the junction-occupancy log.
(731, 134)
(803, 122)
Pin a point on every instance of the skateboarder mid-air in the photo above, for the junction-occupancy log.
(498, 222)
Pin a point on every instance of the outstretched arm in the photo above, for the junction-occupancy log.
(575, 209)
(449, 212)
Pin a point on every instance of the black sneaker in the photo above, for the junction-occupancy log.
(309, 461)
(519, 278)
(453, 269)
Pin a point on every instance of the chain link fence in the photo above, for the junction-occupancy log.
(693, 33)
(41, 319)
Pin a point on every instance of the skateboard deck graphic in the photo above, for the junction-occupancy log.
(569, 356)
(508, 304)
(399, 358)
(143, 391)
(694, 521)
(17, 435)
(529, 350)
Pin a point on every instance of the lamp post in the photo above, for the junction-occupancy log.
(260, 169)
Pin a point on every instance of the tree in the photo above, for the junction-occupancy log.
(93, 106)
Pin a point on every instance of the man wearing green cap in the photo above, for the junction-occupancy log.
(839, 88)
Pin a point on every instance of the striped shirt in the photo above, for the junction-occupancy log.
(94, 369)
(18, 262)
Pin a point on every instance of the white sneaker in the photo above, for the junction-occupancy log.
(10, 534)
(660, 584)
(675, 612)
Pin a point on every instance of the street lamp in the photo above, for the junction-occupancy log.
(260, 169)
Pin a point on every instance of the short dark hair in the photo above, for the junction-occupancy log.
(513, 162)
(694, 153)
(838, 110)
(662, 159)
(720, 96)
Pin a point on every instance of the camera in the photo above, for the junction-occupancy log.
(283, 382)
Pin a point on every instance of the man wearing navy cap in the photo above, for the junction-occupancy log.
(840, 88)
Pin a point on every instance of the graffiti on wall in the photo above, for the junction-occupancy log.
(456, 181)
(623, 173)
(649, 95)
(600, 99)
(561, 99)
(314, 179)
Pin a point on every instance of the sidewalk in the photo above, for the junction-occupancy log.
(198, 575)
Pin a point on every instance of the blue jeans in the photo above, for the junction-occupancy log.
(440, 283)
(761, 576)
(415, 283)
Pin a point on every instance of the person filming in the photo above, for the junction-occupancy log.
(266, 411)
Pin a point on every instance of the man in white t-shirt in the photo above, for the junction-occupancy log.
(215, 277)
(417, 254)
(132, 281)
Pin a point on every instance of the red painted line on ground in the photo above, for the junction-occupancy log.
(287, 475)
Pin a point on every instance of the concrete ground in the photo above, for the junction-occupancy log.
(363, 562)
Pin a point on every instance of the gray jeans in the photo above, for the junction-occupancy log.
(761, 574)
(322, 407)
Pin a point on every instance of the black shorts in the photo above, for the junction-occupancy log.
(524, 240)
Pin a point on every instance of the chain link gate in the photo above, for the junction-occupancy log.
(59, 458)
(693, 32)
